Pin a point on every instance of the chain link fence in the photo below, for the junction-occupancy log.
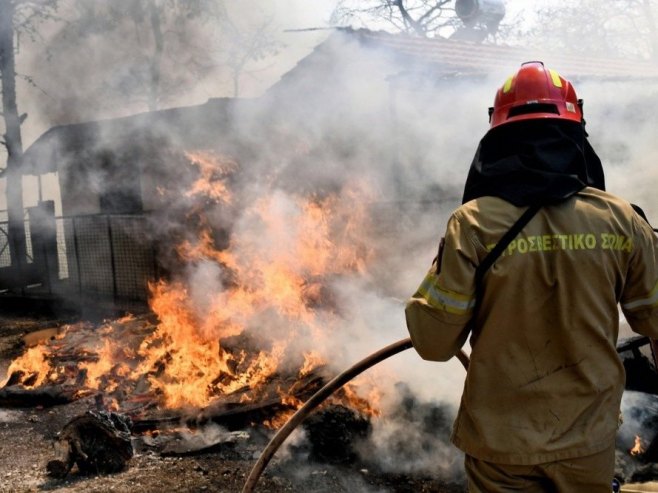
(96, 258)
(5, 258)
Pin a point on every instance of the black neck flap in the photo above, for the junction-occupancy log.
(534, 162)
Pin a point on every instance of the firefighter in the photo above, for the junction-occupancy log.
(540, 405)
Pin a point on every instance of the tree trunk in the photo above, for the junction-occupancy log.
(12, 138)
(156, 60)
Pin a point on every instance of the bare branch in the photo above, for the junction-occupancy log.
(408, 19)
(420, 17)
(439, 6)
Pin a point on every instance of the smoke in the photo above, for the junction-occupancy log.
(413, 437)
(353, 122)
(638, 416)
(621, 124)
(10, 417)
(637, 427)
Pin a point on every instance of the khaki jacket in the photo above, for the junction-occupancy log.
(545, 380)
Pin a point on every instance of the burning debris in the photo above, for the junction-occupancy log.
(241, 332)
(637, 449)
(243, 326)
(637, 438)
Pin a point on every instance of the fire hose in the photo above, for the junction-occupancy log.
(319, 397)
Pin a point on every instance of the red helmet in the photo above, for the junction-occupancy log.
(535, 92)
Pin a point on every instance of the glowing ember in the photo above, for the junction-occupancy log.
(637, 448)
(255, 308)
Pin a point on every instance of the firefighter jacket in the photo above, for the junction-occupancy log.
(545, 380)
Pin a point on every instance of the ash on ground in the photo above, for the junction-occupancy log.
(407, 449)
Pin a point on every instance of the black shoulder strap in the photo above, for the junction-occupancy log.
(641, 213)
(500, 247)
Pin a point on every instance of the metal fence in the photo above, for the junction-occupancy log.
(5, 259)
(107, 255)
(5, 256)
(98, 258)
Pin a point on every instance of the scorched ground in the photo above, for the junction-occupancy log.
(26, 445)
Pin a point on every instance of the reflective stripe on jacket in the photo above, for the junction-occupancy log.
(545, 380)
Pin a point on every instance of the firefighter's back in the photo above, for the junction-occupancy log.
(545, 380)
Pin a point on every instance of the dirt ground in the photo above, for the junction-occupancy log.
(27, 437)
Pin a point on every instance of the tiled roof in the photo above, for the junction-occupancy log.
(476, 59)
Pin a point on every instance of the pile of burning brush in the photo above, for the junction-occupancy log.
(105, 361)
(251, 320)
(234, 337)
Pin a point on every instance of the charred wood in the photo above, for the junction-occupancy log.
(15, 378)
(97, 442)
(233, 412)
(238, 415)
(334, 432)
(151, 424)
(16, 396)
(79, 356)
(201, 442)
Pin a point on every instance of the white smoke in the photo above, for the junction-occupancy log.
(345, 122)
(621, 124)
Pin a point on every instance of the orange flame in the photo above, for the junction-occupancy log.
(273, 286)
(368, 405)
(637, 448)
(312, 360)
(33, 362)
(264, 306)
(213, 169)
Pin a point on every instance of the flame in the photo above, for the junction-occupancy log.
(264, 306)
(272, 274)
(189, 362)
(354, 398)
(312, 360)
(109, 364)
(33, 362)
(637, 447)
(213, 169)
